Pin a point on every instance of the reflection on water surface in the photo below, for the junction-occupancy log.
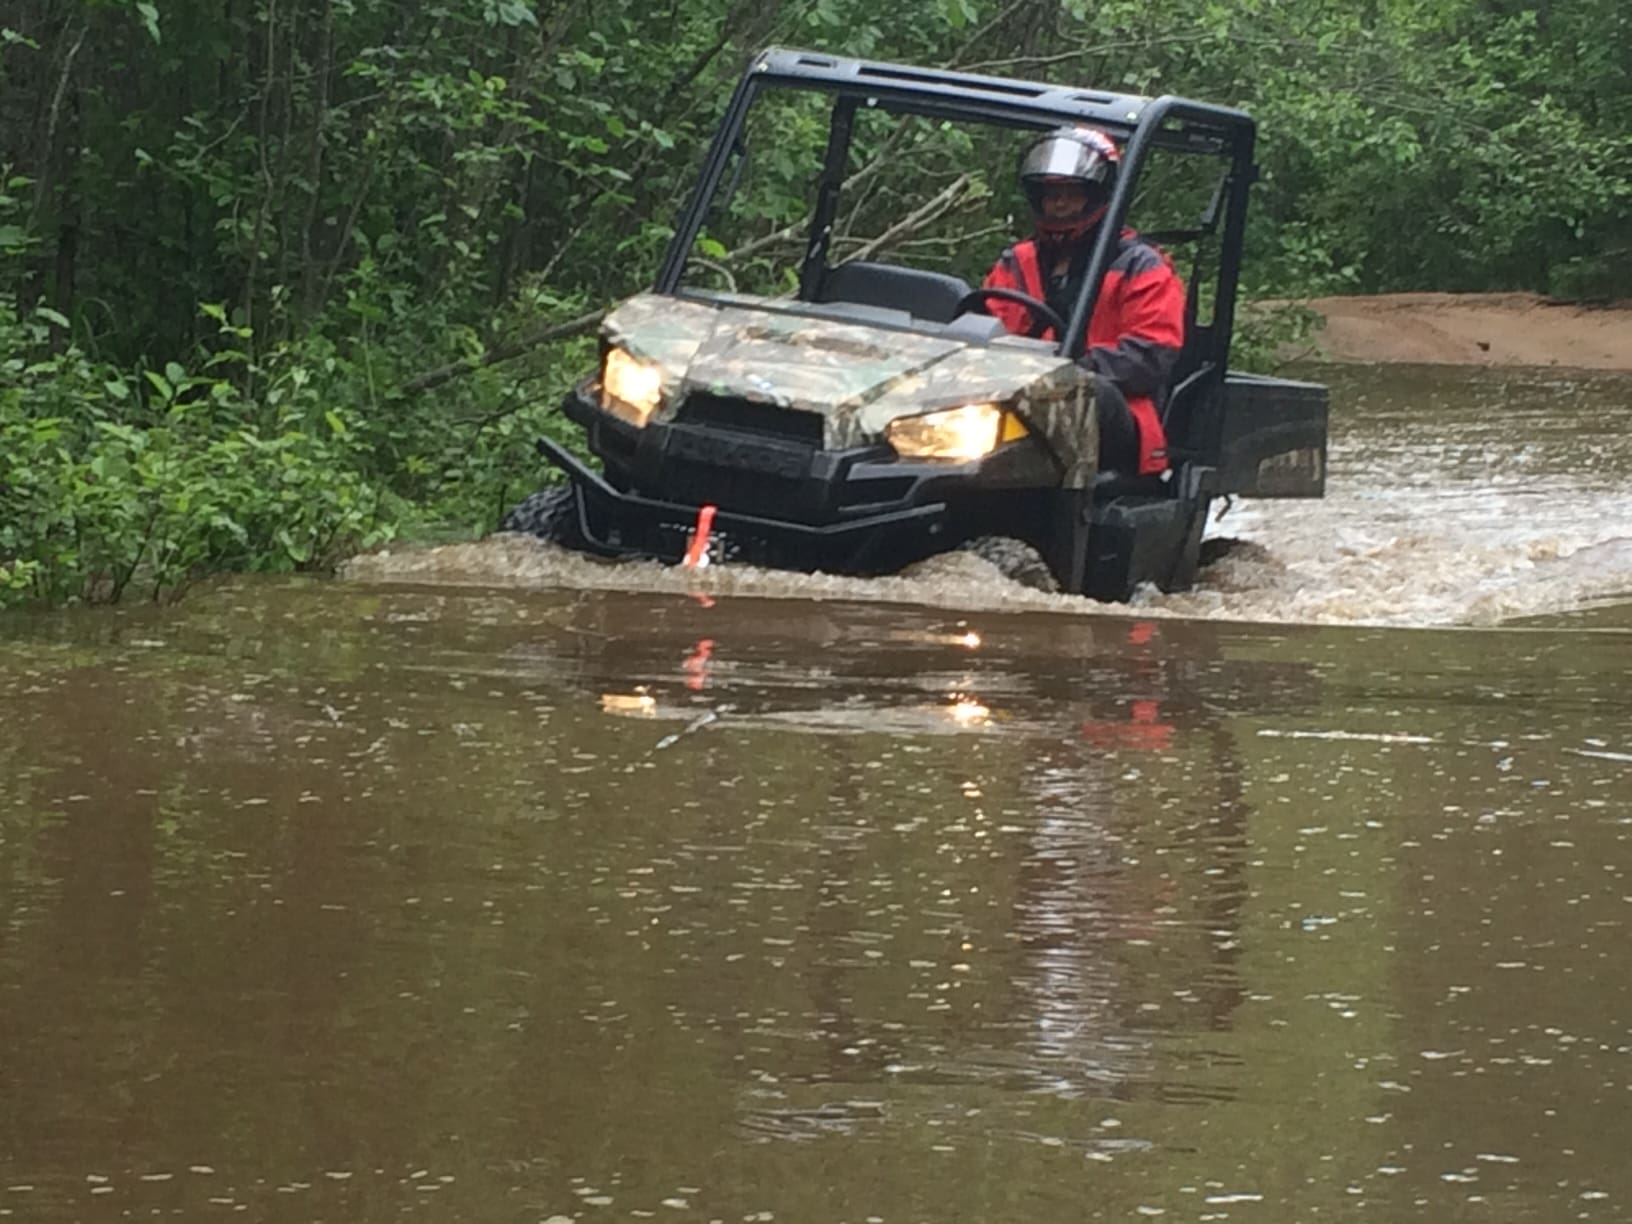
(350, 903)
(361, 901)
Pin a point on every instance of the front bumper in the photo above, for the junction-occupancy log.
(614, 523)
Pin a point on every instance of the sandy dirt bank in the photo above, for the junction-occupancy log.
(1496, 329)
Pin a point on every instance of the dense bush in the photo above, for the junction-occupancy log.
(117, 480)
(108, 480)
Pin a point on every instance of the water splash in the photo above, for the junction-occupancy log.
(1455, 498)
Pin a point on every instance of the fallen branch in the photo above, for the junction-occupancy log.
(954, 241)
(930, 211)
(937, 207)
(502, 352)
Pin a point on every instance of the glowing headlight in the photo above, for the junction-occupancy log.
(957, 433)
(630, 388)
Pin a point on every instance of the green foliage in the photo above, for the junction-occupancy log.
(270, 157)
(1268, 333)
(117, 481)
(110, 482)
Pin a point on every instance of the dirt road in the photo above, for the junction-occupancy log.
(1474, 329)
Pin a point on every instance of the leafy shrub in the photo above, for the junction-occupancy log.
(1270, 334)
(116, 482)
(109, 484)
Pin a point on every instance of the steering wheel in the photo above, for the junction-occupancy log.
(1040, 311)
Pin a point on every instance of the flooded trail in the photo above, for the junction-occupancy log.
(458, 894)
(1456, 496)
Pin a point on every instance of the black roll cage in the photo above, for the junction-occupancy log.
(1141, 124)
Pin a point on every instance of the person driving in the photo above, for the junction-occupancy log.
(1137, 326)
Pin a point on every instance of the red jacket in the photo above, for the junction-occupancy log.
(1134, 334)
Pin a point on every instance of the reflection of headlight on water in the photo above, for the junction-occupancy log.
(967, 712)
(969, 640)
(629, 705)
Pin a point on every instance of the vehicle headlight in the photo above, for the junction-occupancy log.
(630, 388)
(959, 434)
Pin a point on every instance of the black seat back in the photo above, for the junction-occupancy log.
(926, 295)
(1196, 380)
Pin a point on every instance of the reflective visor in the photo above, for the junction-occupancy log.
(1065, 158)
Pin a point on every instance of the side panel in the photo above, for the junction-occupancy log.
(1272, 437)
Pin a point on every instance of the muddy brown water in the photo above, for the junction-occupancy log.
(490, 885)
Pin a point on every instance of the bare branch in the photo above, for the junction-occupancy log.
(1085, 49)
(979, 36)
(935, 208)
(947, 240)
(56, 113)
(725, 272)
(502, 352)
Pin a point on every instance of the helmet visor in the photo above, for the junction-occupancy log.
(1060, 157)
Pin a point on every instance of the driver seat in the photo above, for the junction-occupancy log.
(933, 296)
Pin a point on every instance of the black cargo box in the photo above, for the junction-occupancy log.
(1272, 437)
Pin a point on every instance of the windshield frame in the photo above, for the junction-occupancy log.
(1141, 124)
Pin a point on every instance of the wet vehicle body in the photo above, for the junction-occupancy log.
(872, 413)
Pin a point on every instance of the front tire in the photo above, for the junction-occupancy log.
(1016, 560)
(550, 514)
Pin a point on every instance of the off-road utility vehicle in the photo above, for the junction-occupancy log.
(854, 409)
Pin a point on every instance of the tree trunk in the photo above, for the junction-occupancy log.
(309, 278)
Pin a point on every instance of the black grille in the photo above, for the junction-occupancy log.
(745, 492)
(746, 416)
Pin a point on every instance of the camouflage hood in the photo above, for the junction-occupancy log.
(858, 378)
